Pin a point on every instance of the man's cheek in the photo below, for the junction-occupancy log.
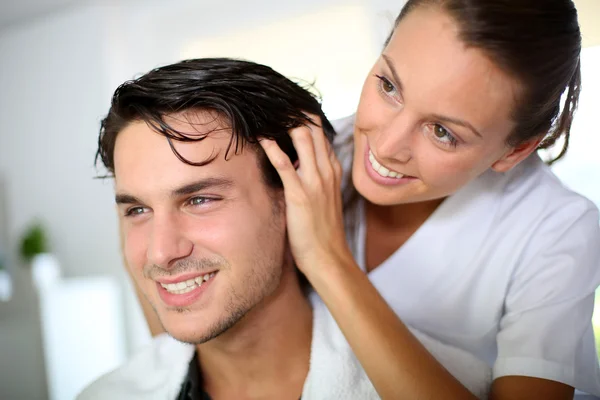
(134, 251)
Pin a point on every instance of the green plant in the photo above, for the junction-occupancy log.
(33, 242)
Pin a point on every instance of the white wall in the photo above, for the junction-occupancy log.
(57, 74)
(49, 105)
(339, 39)
(52, 81)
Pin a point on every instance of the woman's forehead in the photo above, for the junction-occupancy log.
(441, 75)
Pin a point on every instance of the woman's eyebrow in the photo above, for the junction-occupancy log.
(390, 65)
(457, 122)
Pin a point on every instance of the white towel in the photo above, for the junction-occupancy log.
(335, 372)
(157, 372)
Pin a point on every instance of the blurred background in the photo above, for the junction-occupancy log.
(67, 311)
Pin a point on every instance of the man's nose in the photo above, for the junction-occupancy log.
(168, 242)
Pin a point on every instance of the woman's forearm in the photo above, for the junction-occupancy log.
(396, 362)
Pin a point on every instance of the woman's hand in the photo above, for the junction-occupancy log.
(313, 199)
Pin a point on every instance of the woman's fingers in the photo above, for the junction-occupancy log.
(283, 165)
(312, 196)
(317, 171)
(303, 143)
(323, 149)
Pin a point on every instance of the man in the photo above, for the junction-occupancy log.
(202, 216)
(203, 221)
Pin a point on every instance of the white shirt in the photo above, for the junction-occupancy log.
(506, 268)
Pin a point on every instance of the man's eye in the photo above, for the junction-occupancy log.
(133, 211)
(198, 201)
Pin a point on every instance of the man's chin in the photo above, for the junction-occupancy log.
(198, 333)
(190, 338)
(199, 326)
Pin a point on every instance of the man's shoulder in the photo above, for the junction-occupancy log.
(344, 128)
(155, 372)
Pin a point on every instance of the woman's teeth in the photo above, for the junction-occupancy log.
(381, 170)
(187, 286)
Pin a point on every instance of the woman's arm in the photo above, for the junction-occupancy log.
(525, 387)
(395, 361)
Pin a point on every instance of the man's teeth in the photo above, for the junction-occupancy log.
(187, 286)
(381, 170)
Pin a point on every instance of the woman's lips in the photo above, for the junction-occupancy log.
(376, 172)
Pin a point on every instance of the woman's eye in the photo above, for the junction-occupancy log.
(385, 85)
(440, 132)
(443, 136)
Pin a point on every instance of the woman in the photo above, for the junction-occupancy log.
(462, 229)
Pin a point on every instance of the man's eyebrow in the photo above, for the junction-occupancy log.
(126, 199)
(457, 122)
(390, 65)
(208, 183)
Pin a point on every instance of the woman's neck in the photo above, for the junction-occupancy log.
(389, 227)
(401, 216)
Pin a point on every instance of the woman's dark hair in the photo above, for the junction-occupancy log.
(538, 42)
(252, 99)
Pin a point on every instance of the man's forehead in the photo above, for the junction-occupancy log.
(194, 142)
(145, 159)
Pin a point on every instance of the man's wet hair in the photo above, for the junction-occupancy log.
(252, 100)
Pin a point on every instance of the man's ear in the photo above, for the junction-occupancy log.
(516, 154)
